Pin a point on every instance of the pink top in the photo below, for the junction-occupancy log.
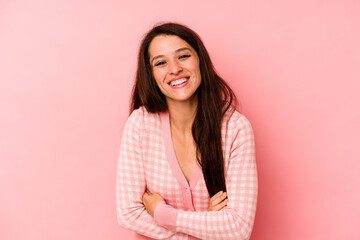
(147, 160)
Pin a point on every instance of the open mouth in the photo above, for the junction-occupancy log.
(178, 81)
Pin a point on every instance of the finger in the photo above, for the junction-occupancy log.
(146, 195)
(216, 195)
(219, 199)
(221, 208)
(221, 205)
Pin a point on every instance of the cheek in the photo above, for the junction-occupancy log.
(198, 72)
(157, 75)
(196, 68)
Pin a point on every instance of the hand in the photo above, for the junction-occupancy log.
(150, 200)
(217, 201)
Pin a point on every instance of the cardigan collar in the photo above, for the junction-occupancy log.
(171, 157)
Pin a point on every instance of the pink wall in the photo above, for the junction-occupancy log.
(66, 71)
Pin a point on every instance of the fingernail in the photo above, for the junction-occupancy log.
(221, 192)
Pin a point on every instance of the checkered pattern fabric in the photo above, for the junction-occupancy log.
(143, 163)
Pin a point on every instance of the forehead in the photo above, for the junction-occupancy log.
(166, 44)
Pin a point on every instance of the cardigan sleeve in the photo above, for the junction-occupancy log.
(236, 220)
(130, 183)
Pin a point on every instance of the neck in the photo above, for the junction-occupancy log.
(182, 114)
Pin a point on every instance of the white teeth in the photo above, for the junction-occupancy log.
(178, 82)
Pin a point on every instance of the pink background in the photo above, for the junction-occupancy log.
(66, 72)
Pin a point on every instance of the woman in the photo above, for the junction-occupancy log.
(187, 162)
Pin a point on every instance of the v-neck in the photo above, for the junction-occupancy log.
(171, 156)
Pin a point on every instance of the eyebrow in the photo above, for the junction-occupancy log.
(178, 50)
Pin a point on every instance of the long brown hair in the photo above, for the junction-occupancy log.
(214, 99)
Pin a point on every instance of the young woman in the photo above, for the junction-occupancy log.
(187, 161)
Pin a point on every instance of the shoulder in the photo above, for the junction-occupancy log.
(238, 137)
(236, 121)
(141, 114)
(236, 128)
(141, 118)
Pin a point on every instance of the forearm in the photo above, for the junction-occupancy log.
(137, 219)
(225, 224)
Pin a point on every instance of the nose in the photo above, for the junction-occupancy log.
(175, 67)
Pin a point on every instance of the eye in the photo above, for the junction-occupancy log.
(184, 56)
(160, 63)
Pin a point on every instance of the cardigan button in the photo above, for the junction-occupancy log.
(187, 191)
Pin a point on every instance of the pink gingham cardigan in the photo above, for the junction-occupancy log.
(147, 160)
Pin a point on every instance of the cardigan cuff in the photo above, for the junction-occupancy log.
(165, 215)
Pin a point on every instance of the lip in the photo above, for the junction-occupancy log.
(177, 78)
(181, 85)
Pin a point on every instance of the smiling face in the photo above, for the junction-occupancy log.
(175, 67)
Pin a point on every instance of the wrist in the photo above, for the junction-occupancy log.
(165, 215)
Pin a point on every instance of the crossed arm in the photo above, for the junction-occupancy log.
(216, 202)
(136, 208)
